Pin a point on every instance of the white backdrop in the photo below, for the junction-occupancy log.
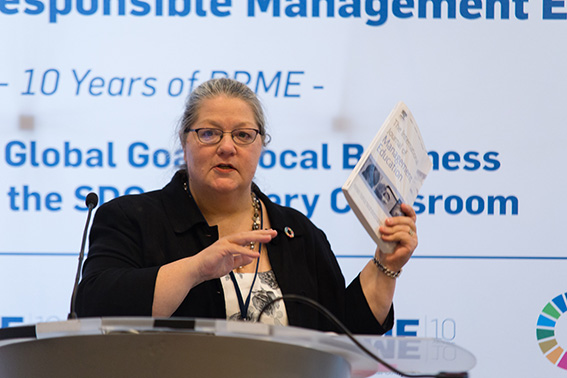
(488, 90)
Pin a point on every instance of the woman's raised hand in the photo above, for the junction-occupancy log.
(403, 231)
(230, 252)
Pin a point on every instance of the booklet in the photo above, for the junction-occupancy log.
(390, 172)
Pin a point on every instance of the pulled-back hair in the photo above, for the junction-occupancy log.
(215, 88)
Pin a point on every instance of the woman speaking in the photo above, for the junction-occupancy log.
(210, 244)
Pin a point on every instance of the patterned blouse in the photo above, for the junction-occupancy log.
(265, 289)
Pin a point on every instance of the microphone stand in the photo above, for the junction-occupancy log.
(91, 201)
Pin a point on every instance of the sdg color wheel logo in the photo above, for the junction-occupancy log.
(551, 331)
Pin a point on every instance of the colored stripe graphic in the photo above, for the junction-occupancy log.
(560, 303)
(551, 311)
(545, 331)
(546, 346)
(554, 356)
(563, 363)
(544, 321)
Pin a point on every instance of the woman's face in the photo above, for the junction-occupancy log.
(224, 167)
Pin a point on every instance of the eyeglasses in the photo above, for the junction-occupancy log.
(214, 136)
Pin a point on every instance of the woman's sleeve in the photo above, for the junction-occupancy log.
(350, 304)
(359, 316)
(116, 279)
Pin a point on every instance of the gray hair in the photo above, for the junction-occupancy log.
(215, 88)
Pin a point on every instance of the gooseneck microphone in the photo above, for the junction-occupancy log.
(91, 201)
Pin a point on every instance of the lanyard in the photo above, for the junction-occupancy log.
(244, 305)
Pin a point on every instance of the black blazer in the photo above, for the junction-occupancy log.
(133, 236)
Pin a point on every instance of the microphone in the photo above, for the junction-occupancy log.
(91, 201)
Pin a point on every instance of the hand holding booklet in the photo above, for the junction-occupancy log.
(390, 172)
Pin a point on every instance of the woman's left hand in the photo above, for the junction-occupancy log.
(378, 288)
(403, 231)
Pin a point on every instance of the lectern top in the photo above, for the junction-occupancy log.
(411, 354)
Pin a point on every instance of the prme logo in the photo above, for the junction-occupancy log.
(551, 331)
(438, 328)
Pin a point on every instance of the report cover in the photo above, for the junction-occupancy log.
(390, 172)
